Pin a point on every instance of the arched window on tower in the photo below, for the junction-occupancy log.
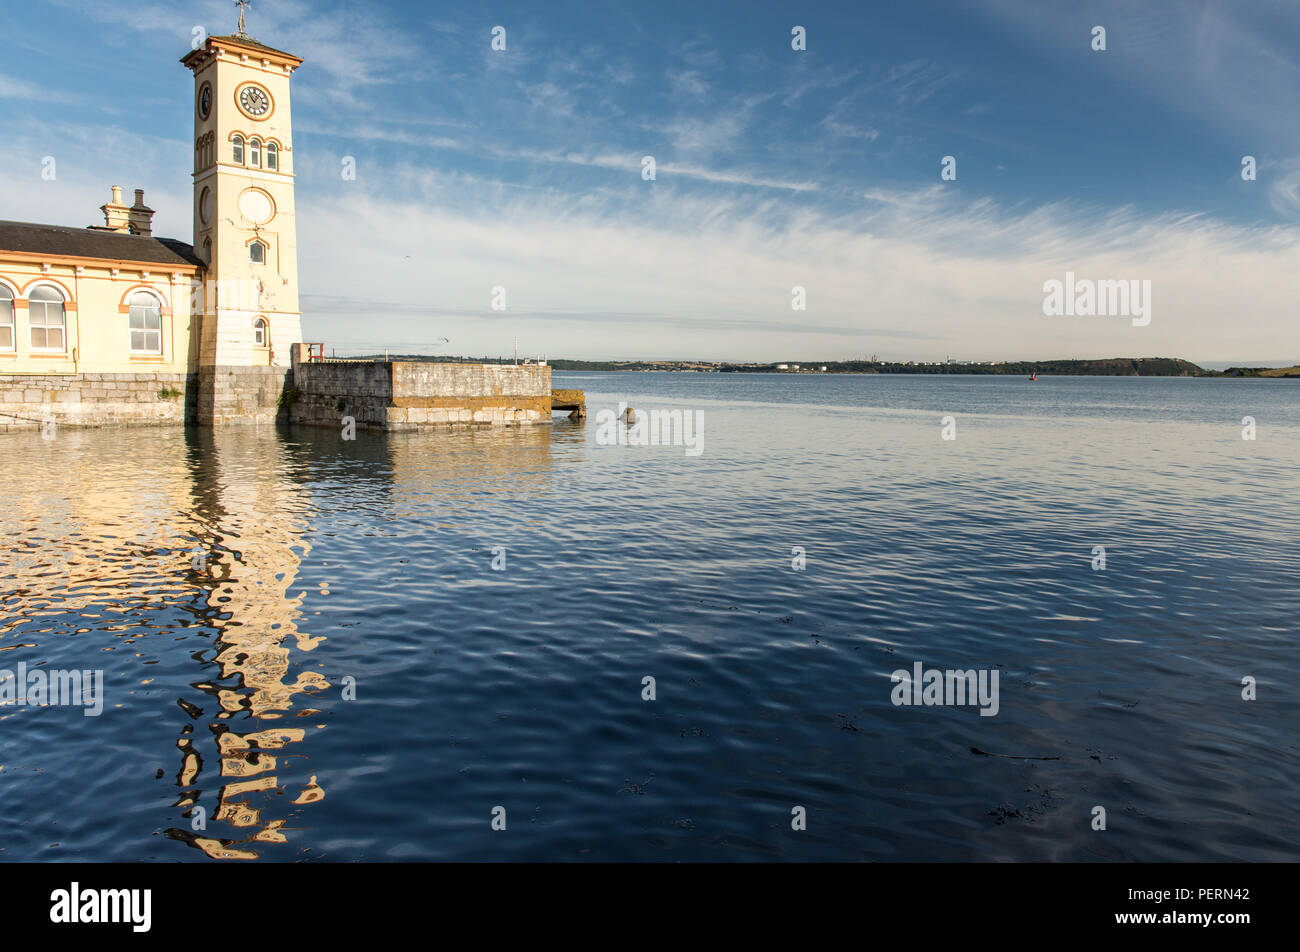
(6, 318)
(146, 323)
(257, 253)
(237, 149)
(45, 319)
(255, 153)
(272, 156)
(259, 332)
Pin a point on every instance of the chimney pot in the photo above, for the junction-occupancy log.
(140, 216)
(116, 215)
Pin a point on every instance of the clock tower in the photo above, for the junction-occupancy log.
(244, 221)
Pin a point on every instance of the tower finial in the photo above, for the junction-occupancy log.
(242, 4)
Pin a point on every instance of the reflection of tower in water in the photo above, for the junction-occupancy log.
(252, 516)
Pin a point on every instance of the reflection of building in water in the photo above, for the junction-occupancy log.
(254, 516)
(469, 468)
(99, 536)
(77, 548)
(105, 549)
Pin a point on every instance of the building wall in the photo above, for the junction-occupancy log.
(96, 320)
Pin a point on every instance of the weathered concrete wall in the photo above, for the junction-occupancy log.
(242, 395)
(415, 381)
(327, 392)
(406, 395)
(428, 394)
(97, 399)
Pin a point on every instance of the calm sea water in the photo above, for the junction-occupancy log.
(328, 569)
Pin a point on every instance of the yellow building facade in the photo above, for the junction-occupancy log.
(102, 302)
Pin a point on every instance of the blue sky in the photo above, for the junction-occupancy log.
(775, 168)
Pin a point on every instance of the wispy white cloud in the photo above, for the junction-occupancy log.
(910, 276)
(11, 88)
(553, 100)
(688, 82)
(1233, 67)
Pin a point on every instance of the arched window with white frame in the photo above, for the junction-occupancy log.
(255, 153)
(145, 323)
(7, 338)
(46, 320)
(272, 156)
(237, 150)
(260, 336)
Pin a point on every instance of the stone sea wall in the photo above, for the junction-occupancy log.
(378, 395)
(28, 401)
(411, 395)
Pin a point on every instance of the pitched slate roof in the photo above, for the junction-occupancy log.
(27, 238)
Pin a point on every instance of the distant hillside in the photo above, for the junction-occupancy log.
(1262, 372)
(1105, 367)
(1109, 367)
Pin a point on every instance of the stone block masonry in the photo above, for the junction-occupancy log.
(412, 395)
(242, 395)
(27, 401)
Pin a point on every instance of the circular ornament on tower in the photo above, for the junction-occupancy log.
(256, 206)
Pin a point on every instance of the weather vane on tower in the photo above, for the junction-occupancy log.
(241, 4)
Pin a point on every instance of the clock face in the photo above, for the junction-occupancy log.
(205, 101)
(255, 100)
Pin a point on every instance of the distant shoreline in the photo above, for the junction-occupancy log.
(1105, 367)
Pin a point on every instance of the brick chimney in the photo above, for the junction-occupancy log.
(140, 216)
(116, 215)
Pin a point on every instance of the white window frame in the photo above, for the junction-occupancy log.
(132, 331)
(272, 157)
(263, 327)
(255, 153)
(11, 321)
(43, 307)
(237, 149)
